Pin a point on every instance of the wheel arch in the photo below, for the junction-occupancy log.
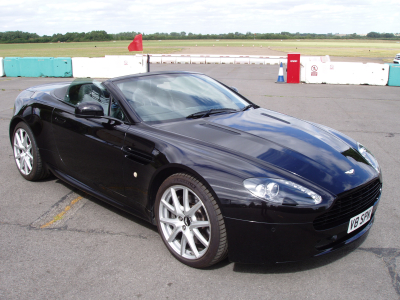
(166, 172)
(14, 122)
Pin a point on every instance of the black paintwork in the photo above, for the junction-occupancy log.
(222, 150)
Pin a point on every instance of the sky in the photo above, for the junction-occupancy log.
(46, 17)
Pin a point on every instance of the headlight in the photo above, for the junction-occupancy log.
(368, 157)
(281, 191)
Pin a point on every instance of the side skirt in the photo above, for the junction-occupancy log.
(145, 215)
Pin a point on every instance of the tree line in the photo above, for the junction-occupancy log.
(377, 35)
(101, 35)
(26, 37)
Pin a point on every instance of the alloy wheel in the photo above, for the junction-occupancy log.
(184, 222)
(23, 151)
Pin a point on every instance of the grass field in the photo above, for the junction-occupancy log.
(86, 49)
(345, 48)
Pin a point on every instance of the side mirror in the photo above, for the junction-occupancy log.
(89, 110)
(234, 89)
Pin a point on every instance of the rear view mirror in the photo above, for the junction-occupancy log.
(89, 110)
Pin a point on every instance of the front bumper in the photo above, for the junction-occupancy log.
(257, 242)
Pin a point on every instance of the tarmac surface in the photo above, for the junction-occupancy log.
(56, 243)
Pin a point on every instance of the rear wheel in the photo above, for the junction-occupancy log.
(190, 221)
(26, 153)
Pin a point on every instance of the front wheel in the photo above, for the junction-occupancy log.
(190, 221)
(26, 153)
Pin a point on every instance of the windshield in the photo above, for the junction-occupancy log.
(162, 98)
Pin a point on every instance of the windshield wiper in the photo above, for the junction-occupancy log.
(247, 107)
(206, 113)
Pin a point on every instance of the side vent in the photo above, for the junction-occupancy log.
(138, 156)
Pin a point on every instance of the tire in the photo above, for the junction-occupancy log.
(26, 153)
(190, 222)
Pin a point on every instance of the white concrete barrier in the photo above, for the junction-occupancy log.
(316, 77)
(1, 67)
(333, 73)
(275, 60)
(357, 73)
(257, 60)
(155, 58)
(121, 65)
(227, 59)
(198, 59)
(107, 67)
(302, 73)
(86, 67)
(168, 59)
(377, 74)
(305, 59)
(213, 59)
(314, 71)
(142, 58)
(345, 73)
(183, 59)
(242, 60)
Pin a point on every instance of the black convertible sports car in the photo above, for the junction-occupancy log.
(216, 173)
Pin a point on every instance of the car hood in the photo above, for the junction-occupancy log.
(290, 144)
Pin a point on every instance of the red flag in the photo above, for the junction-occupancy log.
(137, 44)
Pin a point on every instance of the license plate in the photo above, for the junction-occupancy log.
(359, 220)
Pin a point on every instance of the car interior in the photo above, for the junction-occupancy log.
(90, 92)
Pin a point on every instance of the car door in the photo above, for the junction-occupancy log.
(90, 149)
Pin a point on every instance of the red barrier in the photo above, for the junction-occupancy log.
(293, 68)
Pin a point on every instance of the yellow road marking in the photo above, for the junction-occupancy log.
(61, 214)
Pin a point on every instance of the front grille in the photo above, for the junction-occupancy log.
(348, 205)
